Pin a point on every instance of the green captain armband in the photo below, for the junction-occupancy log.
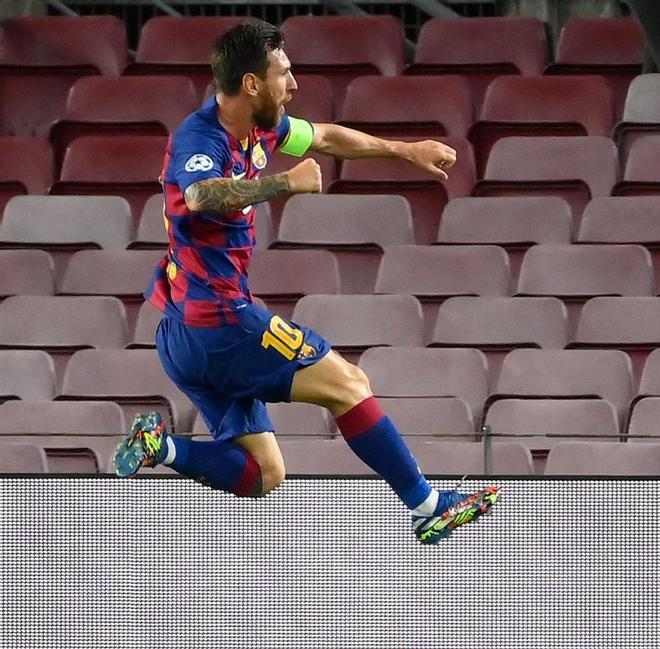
(299, 139)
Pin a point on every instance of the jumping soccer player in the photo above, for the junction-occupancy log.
(230, 356)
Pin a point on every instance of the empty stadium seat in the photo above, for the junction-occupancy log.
(123, 165)
(313, 100)
(400, 372)
(43, 56)
(127, 105)
(144, 334)
(78, 437)
(315, 457)
(22, 458)
(301, 419)
(425, 193)
(641, 114)
(639, 173)
(345, 47)
(26, 272)
(644, 418)
(522, 48)
(540, 424)
(575, 168)
(26, 167)
(180, 45)
(610, 47)
(425, 107)
(560, 373)
(608, 458)
(355, 228)
(650, 381)
(536, 106)
(151, 230)
(26, 374)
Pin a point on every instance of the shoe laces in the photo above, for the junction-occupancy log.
(453, 496)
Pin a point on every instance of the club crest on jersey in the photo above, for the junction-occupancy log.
(199, 162)
(259, 159)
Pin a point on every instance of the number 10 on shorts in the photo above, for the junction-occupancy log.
(282, 337)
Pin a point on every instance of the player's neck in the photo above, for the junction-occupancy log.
(234, 116)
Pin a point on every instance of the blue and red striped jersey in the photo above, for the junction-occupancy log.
(202, 281)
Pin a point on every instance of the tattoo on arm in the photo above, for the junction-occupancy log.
(222, 195)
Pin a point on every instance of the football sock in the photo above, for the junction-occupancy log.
(220, 465)
(376, 441)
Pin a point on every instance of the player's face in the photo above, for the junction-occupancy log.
(275, 91)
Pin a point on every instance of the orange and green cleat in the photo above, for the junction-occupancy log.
(145, 445)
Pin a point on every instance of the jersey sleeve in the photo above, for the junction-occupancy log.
(197, 156)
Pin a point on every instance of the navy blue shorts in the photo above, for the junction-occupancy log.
(229, 372)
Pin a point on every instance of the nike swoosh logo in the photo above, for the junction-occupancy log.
(238, 176)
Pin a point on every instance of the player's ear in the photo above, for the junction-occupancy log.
(250, 84)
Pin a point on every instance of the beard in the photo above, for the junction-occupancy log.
(267, 116)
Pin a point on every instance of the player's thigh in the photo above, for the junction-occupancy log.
(333, 382)
(265, 451)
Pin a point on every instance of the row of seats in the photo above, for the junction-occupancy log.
(50, 53)
(128, 166)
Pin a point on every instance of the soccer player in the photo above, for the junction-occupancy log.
(225, 353)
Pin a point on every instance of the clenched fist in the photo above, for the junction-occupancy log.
(431, 156)
(305, 177)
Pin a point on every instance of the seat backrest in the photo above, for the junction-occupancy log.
(346, 220)
(439, 271)
(619, 321)
(650, 382)
(114, 159)
(643, 159)
(107, 100)
(642, 100)
(592, 159)
(102, 220)
(65, 322)
(361, 321)
(321, 274)
(422, 372)
(22, 458)
(145, 327)
(28, 160)
(345, 40)
(59, 417)
(26, 272)
(124, 273)
(301, 419)
(621, 219)
(151, 231)
(506, 220)
(607, 458)
(321, 457)
(313, 100)
(521, 42)
(27, 374)
(600, 41)
(182, 39)
(573, 271)
(52, 41)
(644, 420)
(580, 373)
(584, 99)
(430, 416)
(501, 322)
(442, 100)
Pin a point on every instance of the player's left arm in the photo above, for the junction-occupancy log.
(342, 142)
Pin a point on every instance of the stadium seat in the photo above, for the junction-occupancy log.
(22, 458)
(639, 173)
(123, 165)
(355, 228)
(641, 114)
(122, 105)
(609, 47)
(26, 374)
(522, 48)
(144, 334)
(352, 323)
(540, 424)
(43, 56)
(133, 378)
(527, 166)
(77, 437)
(26, 272)
(26, 167)
(536, 106)
(281, 277)
(426, 195)
(644, 417)
(401, 372)
(313, 100)
(151, 232)
(566, 374)
(628, 323)
(180, 45)
(425, 107)
(650, 381)
(608, 458)
(345, 47)
(317, 457)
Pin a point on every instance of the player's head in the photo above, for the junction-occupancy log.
(249, 59)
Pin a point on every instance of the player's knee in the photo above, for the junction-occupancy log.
(272, 476)
(355, 386)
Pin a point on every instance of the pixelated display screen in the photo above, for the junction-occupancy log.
(324, 563)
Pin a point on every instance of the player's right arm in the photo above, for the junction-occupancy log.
(221, 195)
